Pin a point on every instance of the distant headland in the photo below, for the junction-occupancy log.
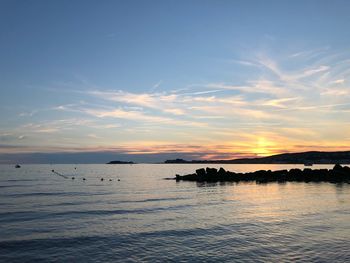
(120, 162)
(313, 157)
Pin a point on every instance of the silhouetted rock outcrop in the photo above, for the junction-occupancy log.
(200, 172)
(339, 174)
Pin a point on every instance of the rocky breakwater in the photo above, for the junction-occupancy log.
(339, 174)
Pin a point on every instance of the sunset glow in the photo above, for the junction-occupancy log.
(242, 93)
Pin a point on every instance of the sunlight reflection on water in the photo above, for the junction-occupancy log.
(145, 218)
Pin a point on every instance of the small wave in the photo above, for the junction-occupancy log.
(13, 186)
(10, 217)
(53, 194)
(154, 200)
(22, 180)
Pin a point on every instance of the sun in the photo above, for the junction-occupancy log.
(263, 147)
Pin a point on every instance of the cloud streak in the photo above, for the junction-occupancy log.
(299, 99)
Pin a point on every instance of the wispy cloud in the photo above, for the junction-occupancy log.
(140, 116)
(301, 98)
(26, 114)
(280, 103)
(339, 81)
(262, 86)
(156, 86)
(336, 92)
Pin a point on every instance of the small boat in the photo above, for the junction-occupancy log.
(308, 164)
(17, 166)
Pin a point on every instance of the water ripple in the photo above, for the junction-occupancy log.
(143, 218)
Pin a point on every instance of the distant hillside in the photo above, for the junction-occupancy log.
(285, 158)
(120, 162)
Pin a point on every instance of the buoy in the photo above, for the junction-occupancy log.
(110, 180)
(118, 179)
(101, 179)
(73, 178)
(84, 179)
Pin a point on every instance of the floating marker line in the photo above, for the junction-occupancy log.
(59, 174)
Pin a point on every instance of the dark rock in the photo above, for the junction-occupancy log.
(336, 175)
(192, 177)
(212, 174)
(337, 167)
(200, 172)
(222, 172)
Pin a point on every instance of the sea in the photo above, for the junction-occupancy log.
(135, 215)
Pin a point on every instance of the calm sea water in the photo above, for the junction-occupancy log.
(143, 218)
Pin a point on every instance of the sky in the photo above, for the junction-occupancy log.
(146, 81)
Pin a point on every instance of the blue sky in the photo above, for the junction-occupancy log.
(146, 80)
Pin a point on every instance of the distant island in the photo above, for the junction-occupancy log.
(120, 162)
(313, 157)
